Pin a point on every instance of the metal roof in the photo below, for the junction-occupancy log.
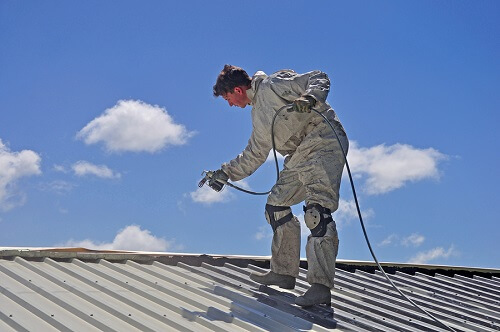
(71, 290)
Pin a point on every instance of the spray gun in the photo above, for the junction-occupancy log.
(216, 185)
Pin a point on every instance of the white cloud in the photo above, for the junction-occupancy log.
(60, 168)
(390, 167)
(13, 166)
(433, 254)
(270, 156)
(58, 186)
(389, 240)
(414, 240)
(208, 196)
(347, 211)
(131, 238)
(133, 125)
(82, 168)
(264, 232)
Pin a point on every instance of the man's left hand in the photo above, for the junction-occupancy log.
(303, 104)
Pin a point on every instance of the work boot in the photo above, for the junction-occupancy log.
(271, 278)
(316, 294)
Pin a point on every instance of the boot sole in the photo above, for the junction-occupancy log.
(327, 304)
(286, 287)
(290, 286)
(280, 286)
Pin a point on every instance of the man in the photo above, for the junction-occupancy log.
(312, 170)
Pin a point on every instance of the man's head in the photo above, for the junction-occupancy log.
(232, 84)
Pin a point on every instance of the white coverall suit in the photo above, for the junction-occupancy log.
(312, 168)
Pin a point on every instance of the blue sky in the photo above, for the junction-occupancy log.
(107, 120)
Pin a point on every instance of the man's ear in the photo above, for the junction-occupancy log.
(238, 90)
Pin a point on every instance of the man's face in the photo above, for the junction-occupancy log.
(237, 98)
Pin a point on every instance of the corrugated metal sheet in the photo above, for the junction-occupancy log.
(58, 292)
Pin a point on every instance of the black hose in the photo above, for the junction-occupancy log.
(366, 235)
(357, 208)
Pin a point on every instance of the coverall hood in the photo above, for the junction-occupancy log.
(256, 80)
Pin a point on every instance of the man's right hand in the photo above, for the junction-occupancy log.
(218, 180)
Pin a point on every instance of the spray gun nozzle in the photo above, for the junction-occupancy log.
(207, 176)
(215, 185)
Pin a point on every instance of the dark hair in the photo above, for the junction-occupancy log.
(229, 78)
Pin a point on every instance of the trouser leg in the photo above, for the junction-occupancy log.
(321, 255)
(285, 247)
(322, 250)
(321, 173)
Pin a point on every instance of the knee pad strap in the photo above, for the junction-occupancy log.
(317, 219)
(271, 209)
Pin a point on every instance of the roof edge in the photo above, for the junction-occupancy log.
(242, 260)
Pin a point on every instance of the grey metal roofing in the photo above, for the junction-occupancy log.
(97, 291)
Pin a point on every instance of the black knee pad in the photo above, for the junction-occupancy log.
(271, 209)
(317, 219)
